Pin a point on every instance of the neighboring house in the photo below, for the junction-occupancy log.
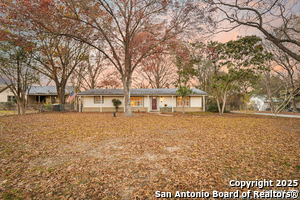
(277, 101)
(258, 103)
(143, 100)
(37, 94)
(6, 94)
(46, 94)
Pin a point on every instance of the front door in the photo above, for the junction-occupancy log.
(154, 103)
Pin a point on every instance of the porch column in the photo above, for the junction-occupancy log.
(203, 103)
(101, 100)
(148, 107)
(79, 103)
(39, 99)
(172, 103)
(50, 99)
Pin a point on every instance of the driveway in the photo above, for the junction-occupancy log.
(269, 114)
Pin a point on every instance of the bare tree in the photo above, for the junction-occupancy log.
(158, 71)
(278, 20)
(57, 58)
(287, 71)
(16, 70)
(89, 73)
(111, 80)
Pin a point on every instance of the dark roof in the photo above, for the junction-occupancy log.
(47, 90)
(3, 88)
(4, 81)
(137, 92)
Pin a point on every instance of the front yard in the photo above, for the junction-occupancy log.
(95, 156)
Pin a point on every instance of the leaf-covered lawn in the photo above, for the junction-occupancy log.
(94, 155)
(11, 112)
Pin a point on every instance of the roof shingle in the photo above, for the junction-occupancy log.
(47, 90)
(137, 92)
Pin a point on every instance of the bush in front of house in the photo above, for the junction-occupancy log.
(213, 107)
(48, 106)
(116, 103)
(7, 105)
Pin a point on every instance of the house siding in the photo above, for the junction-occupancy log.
(89, 105)
(196, 102)
(4, 94)
(188, 109)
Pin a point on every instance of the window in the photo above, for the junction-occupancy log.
(97, 99)
(11, 98)
(180, 102)
(137, 101)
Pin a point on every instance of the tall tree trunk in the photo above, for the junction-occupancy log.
(294, 104)
(271, 100)
(268, 87)
(219, 108)
(183, 102)
(21, 104)
(224, 103)
(60, 88)
(126, 89)
(294, 100)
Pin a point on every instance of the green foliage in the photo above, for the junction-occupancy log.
(213, 107)
(184, 71)
(116, 103)
(239, 61)
(48, 106)
(6, 105)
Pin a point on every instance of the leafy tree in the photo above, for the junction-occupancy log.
(116, 103)
(16, 69)
(238, 61)
(184, 72)
(202, 56)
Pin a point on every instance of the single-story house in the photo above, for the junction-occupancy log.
(6, 95)
(143, 100)
(46, 94)
(37, 94)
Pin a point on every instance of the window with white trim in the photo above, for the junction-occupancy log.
(137, 101)
(98, 100)
(180, 102)
(10, 98)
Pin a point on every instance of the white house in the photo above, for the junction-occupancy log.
(36, 94)
(6, 95)
(143, 100)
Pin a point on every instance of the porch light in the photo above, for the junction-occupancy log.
(161, 99)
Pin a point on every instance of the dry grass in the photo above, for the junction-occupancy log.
(95, 156)
(11, 112)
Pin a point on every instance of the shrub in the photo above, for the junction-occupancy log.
(116, 103)
(7, 105)
(213, 107)
(48, 106)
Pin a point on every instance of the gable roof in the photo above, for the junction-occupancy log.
(47, 90)
(3, 88)
(137, 92)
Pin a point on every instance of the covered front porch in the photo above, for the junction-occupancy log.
(146, 103)
(43, 99)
